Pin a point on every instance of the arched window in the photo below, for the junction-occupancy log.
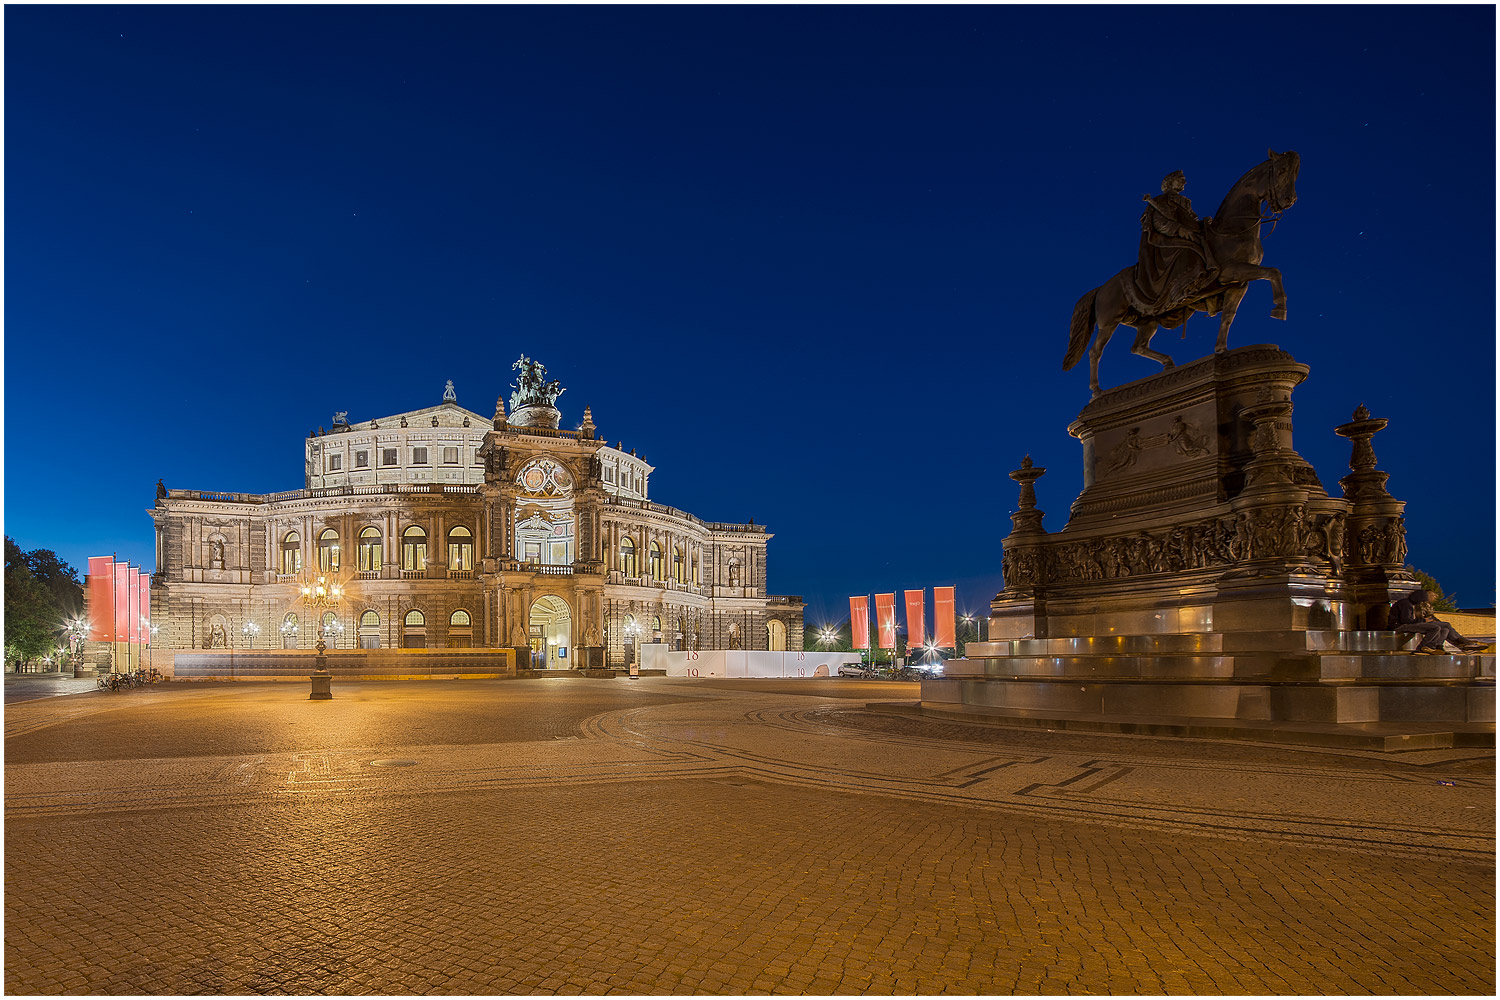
(460, 630)
(328, 551)
(629, 565)
(776, 635)
(413, 550)
(289, 631)
(656, 628)
(460, 549)
(291, 554)
(734, 636)
(414, 630)
(658, 565)
(678, 564)
(370, 547)
(369, 630)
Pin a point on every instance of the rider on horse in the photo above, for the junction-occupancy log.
(1176, 265)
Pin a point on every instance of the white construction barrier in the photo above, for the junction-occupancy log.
(743, 662)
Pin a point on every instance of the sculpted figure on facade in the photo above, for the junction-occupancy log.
(532, 387)
(217, 637)
(215, 554)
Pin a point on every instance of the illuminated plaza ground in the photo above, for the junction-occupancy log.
(672, 836)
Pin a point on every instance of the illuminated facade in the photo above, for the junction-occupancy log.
(441, 527)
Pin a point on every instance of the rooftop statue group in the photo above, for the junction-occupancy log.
(532, 387)
(1188, 264)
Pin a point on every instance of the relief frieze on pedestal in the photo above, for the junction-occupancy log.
(1291, 534)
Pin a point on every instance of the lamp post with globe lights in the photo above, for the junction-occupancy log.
(77, 631)
(251, 630)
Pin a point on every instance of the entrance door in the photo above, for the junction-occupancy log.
(551, 628)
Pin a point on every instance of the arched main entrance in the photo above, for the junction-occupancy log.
(551, 634)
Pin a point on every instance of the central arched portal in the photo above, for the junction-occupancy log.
(551, 633)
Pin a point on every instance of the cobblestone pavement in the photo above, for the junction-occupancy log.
(673, 836)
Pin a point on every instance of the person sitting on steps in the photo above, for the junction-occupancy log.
(1413, 613)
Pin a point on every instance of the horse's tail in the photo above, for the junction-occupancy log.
(1083, 325)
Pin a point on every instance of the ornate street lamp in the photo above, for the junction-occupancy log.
(251, 630)
(288, 631)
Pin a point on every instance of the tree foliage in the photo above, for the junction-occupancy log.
(40, 592)
(1440, 601)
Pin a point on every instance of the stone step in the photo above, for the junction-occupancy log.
(1271, 640)
(1262, 666)
(1299, 701)
(1383, 736)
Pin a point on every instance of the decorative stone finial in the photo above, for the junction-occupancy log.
(586, 429)
(499, 412)
(449, 396)
(1364, 481)
(1027, 518)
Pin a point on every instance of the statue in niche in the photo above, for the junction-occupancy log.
(734, 574)
(218, 638)
(215, 554)
(1188, 266)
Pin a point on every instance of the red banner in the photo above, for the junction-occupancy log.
(133, 603)
(916, 619)
(101, 596)
(885, 619)
(143, 604)
(121, 586)
(942, 618)
(859, 621)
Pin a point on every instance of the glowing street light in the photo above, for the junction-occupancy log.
(251, 630)
(829, 637)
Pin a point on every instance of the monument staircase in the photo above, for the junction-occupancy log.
(1207, 585)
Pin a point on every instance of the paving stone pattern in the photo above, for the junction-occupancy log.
(666, 836)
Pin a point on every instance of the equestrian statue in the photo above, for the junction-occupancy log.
(1189, 265)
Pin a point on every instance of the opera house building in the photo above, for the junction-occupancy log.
(442, 528)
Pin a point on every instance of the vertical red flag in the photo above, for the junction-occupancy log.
(916, 619)
(143, 604)
(101, 597)
(885, 619)
(133, 602)
(942, 618)
(122, 602)
(859, 621)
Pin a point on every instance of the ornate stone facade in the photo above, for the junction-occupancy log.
(446, 528)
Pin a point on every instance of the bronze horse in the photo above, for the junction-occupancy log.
(1234, 239)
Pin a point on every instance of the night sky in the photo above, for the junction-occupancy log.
(817, 265)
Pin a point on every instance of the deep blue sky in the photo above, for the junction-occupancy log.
(817, 264)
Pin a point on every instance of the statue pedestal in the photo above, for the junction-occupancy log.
(1206, 580)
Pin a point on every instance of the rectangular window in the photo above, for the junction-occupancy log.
(419, 456)
(335, 463)
(361, 459)
(388, 456)
(478, 458)
(450, 456)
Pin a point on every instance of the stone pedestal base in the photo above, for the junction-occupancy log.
(322, 686)
(1206, 574)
